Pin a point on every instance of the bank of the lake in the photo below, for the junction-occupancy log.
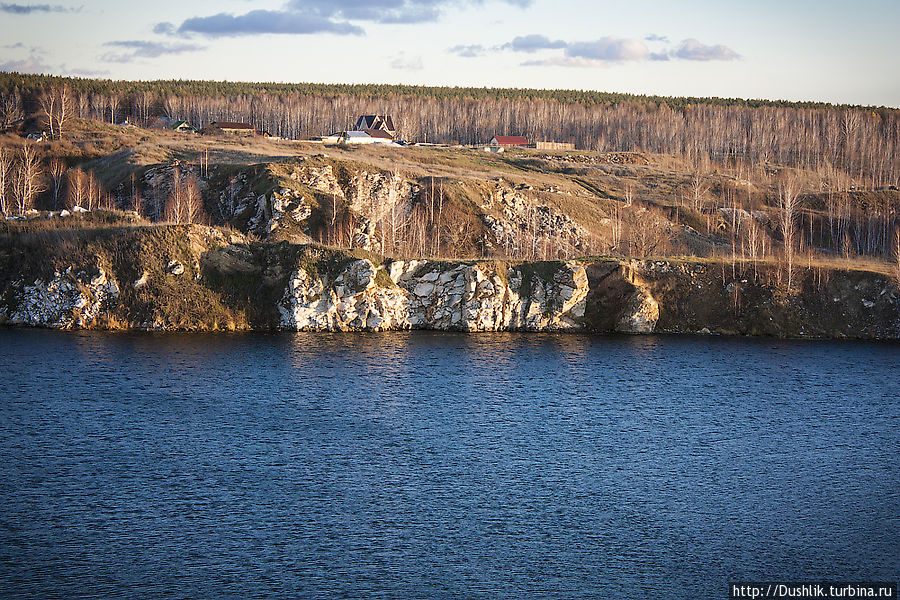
(203, 279)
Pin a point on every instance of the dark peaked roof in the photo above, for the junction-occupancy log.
(383, 122)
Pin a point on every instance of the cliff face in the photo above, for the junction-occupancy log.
(199, 279)
(437, 295)
(734, 300)
(68, 300)
(313, 197)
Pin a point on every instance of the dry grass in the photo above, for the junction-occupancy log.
(585, 186)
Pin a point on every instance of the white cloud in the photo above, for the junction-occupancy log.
(32, 64)
(134, 49)
(533, 43)
(258, 22)
(609, 49)
(407, 63)
(614, 50)
(691, 49)
(27, 9)
(303, 17)
(470, 51)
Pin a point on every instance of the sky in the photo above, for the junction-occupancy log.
(816, 50)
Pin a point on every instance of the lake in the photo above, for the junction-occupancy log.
(437, 465)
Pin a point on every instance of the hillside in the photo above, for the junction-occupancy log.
(130, 275)
(770, 240)
(463, 202)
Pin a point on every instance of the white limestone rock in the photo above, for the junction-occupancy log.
(465, 297)
(174, 268)
(65, 301)
(144, 280)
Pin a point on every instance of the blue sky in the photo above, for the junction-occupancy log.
(796, 50)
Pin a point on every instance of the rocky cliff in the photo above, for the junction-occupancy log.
(198, 278)
(437, 295)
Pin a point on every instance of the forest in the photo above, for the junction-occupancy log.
(861, 142)
(827, 175)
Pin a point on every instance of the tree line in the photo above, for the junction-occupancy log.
(29, 83)
(863, 143)
(848, 147)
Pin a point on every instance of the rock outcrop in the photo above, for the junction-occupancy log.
(514, 215)
(436, 295)
(195, 278)
(68, 300)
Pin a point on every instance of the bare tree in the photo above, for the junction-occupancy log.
(647, 232)
(113, 103)
(93, 191)
(137, 200)
(755, 240)
(6, 177)
(10, 108)
(77, 184)
(193, 201)
(47, 99)
(897, 256)
(171, 105)
(789, 211)
(185, 204)
(64, 109)
(29, 182)
(57, 175)
(629, 194)
(699, 188)
(174, 211)
(108, 201)
(145, 103)
(393, 193)
(83, 104)
(58, 103)
(437, 235)
(616, 228)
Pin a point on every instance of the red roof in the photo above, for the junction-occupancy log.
(510, 140)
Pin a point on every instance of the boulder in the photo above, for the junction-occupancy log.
(174, 268)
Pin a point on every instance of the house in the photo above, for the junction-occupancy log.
(182, 127)
(376, 122)
(229, 127)
(372, 136)
(508, 141)
(554, 146)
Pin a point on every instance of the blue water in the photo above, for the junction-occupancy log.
(422, 465)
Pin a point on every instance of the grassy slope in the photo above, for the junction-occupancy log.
(586, 186)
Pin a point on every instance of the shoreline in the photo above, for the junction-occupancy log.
(188, 278)
(456, 332)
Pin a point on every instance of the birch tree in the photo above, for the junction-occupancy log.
(77, 185)
(6, 165)
(789, 211)
(57, 176)
(10, 108)
(29, 182)
(193, 201)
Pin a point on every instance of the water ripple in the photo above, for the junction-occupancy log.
(418, 465)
